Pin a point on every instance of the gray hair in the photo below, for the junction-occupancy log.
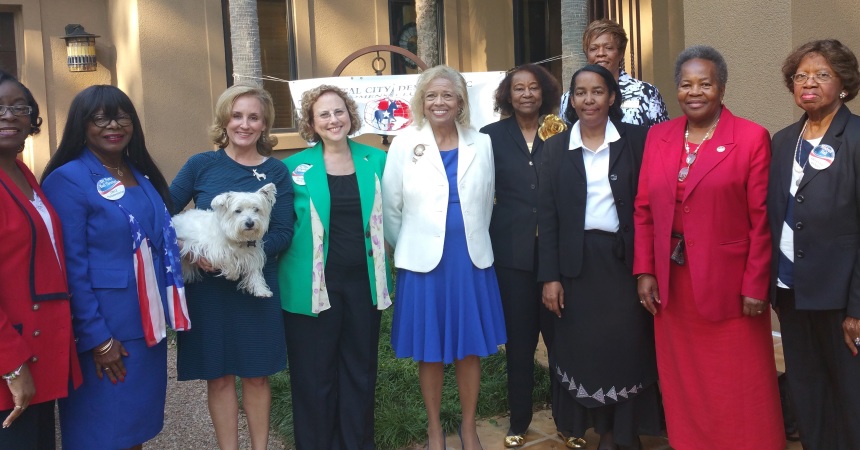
(447, 73)
(707, 53)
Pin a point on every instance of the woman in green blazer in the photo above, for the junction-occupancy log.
(334, 278)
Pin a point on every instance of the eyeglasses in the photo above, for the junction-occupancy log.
(326, 115)
(820, 77)
(16, 110)
(104, 121)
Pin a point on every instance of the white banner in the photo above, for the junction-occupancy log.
(384, 101)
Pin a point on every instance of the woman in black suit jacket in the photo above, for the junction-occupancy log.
(813, 206)
(605, 363)
(526, 93)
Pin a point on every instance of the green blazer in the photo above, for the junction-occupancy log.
(301, 272)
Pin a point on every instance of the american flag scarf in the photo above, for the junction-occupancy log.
(152, 311)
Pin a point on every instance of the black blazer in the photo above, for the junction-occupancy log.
(563, 196)
(826, 217)
(514, 221)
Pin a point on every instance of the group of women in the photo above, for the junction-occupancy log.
(702, 219)
(637, 254)
(94, 276)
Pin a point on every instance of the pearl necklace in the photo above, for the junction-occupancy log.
(691, 157)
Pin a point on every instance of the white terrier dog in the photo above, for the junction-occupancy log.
(229, 237)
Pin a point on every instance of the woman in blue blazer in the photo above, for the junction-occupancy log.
(121, 256)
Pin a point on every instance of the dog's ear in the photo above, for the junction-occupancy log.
(220, 201)
(269, 191)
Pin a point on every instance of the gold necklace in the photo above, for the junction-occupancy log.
(118, 171)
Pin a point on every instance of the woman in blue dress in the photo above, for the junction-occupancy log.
(121, 256)
(236, 334)
(437, 194)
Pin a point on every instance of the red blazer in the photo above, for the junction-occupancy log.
(728, 246)
(35, 319)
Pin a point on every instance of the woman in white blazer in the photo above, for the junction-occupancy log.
(437, 193)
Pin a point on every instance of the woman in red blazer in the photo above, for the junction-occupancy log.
(702, 256)
(37, 357)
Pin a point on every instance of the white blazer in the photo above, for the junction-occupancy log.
(415, 197)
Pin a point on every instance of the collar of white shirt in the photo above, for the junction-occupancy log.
(609, 136)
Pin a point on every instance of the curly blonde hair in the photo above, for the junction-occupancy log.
(447, 73)
(309, 98)
(224, 106)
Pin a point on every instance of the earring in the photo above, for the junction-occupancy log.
(843, 95)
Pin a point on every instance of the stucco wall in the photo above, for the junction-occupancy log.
(181, 74)
(42, 58)
(168, 56)
(479, 35)
(754, 37)
(825, 19)
(335, 29)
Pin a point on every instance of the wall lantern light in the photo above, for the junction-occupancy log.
(80, 49)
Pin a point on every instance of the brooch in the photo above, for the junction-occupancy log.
(550, 125)
(417, 152)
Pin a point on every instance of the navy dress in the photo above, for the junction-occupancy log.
(454, 310)
(234, 333)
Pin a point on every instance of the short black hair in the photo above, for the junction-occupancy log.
(708, 54)
(615, 112)
(35, 120)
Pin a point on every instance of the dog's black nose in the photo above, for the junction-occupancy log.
(249, 224)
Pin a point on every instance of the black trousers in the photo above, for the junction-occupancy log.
(32, 430)
(525, 318)
(333, 361)
(823, 377)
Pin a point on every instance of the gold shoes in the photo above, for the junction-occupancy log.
(515, 440)
(573, 442)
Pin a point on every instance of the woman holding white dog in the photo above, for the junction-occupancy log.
(334, 278)
(235, 333)
(110, 198)
(438, 192)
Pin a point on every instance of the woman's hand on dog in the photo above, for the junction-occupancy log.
(202, 262)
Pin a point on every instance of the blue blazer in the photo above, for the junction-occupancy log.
(98, 251)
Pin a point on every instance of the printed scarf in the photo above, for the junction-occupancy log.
(152, 310)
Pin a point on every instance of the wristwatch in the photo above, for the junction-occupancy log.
(13, 374)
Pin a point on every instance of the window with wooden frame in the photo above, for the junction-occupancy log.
(537, 33)
(8, 46)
